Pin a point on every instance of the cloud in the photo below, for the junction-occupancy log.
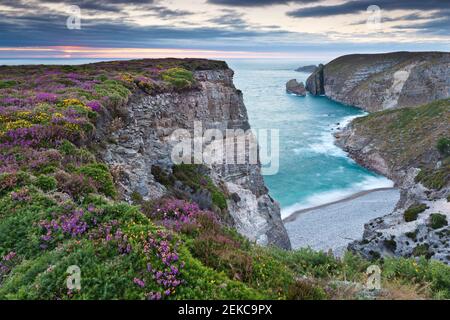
(352, 7)
(439, 26)
(259, 3)
(231, 19)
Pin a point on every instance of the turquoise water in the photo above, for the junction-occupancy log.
(312, 171)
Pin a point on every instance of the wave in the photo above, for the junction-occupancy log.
(369, 183)
(326, 144)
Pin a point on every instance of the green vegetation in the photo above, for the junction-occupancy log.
(443, 145)
(178, 77)
(46, 183)
(438, 220)
(422, 250)
(406, 136)
(413, 211)
(7, 84)
(193, 176)
(412, 235)
(302, 290)
(391, 244)
(99, 173)
(435, 178)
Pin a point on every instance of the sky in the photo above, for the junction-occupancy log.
(307, 29)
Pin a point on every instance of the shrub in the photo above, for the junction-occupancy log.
(413, 211)
(178, 77)
(438, 221)
(11, 181)
(435, 178)
(443, 145)
(196, 178)
(7, 84)
(421, 250)
(412, 235)
(112, 89)
(99, 173)
(391, 244)
(75, 184)
(45, 183)
(304, 290)
(161, 176)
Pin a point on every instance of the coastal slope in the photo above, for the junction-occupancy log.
(376, 82)
(410, 147)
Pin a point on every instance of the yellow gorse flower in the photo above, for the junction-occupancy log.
(126, 77)
(72, 102)
(72, 126)
(23, 114)
(18, 124)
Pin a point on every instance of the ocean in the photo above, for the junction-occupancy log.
(312, 171)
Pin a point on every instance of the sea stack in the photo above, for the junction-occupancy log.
(294, 87)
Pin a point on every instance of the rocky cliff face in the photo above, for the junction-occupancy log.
(402, 145)
(143, 143)
(376, 82)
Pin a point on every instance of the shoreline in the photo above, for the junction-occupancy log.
(293, 216)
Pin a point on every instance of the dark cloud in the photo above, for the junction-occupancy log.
(357, 6)
(231, 19)
(409, 17)
(51, 30)
(440, 25)
(164, 12)
(259, 3)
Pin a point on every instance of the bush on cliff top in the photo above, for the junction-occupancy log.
(178, 77)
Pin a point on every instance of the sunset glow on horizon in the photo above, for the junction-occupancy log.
(81, 52)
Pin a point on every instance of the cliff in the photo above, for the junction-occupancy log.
(376, 82)
(142, 147)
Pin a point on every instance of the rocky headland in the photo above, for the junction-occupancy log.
(376, 82)
(404, 138)
(307, 69)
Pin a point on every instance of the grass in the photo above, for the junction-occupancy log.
(407, 136)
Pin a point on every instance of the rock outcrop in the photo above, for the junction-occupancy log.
(376, 82)
(143, 143)
(402, 145)
(294, 87)
(307, 69)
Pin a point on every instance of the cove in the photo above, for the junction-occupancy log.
(313, 171)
